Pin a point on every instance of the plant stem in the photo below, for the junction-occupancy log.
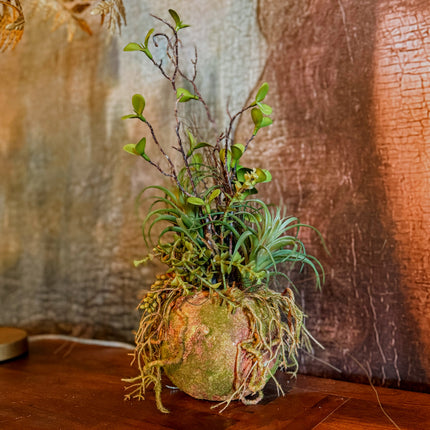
(192, 81)
(163, 152)
(173, 173)
(182, 151)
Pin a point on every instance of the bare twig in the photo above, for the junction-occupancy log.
(174, 47)
(173, 173)
(163, 152)
(232, 120)
(181, 148)
(249, 141)
(192, 81)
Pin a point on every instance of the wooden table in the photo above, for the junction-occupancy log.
(68, 385)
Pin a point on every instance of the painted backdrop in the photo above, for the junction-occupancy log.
(349, 151)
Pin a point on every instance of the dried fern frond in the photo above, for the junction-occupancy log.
(71, 14)
(112, 13)
(11, 23)
(63, 13)
(45, 8)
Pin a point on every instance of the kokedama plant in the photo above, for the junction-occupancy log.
(211, 321)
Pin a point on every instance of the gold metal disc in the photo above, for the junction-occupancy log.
(13, 343)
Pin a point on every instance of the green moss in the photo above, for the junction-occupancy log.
(210, 342)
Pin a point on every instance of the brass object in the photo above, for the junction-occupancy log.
(13, 343)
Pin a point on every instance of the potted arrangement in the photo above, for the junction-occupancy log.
(212, 322)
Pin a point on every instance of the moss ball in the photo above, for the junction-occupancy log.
(203, 345)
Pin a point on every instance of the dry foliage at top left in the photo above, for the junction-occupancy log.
(11, 23)
(72, 14)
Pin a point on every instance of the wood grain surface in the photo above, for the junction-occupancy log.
(68, 385)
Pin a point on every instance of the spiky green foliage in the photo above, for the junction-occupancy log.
(215, 237)
(213, 246)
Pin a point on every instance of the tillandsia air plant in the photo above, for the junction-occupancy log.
(222, 247)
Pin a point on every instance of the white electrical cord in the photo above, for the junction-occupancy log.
(109, 343)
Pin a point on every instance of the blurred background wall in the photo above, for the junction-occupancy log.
(349, 152)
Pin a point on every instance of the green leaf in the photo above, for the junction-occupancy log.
(268, 175)
(148, 35)
(237, 151)
(138, 103)
(191, 138)
(265, 109)
(189, 246)
(261, 176)
(240, 173)
(132, 115)
(266, 121)
(187, 221)
(196, 201)
(144, 260)
(175, 17)
(262, 92)
(247, 193)
(257, 116)
(197, 159)
(178, 22)
(137, 149)
(133, 47)
(184, 95)
(130, 148)
(214, 195)
(202, 145)
(222, 155)
(198, 146)
(140, 146)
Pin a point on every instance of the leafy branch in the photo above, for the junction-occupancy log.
(220, 235)
(223, 168)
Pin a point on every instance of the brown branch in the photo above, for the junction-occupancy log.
(196, 90)
(174, 47)
(154, 137)
(232, 120)
(249, 141)
(172, 175)
(181, 148)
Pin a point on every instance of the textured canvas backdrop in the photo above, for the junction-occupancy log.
(349, 152)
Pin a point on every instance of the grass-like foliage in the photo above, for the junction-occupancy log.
(213, 234)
